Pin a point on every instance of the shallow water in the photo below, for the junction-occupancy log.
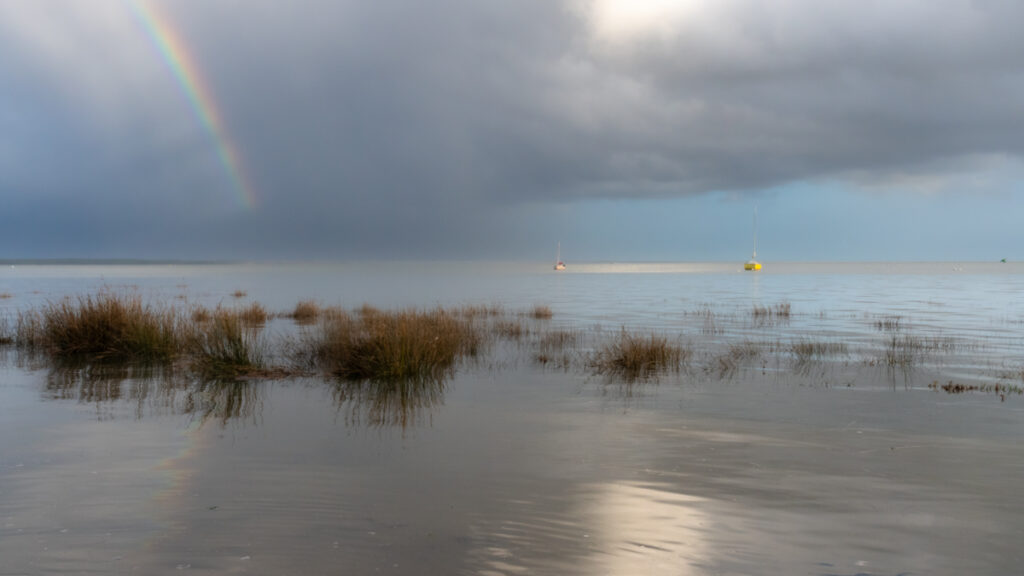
(839, 467)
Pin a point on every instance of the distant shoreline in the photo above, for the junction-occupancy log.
(105, 261)
(157, 261)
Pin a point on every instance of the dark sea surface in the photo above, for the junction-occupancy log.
(757, 462)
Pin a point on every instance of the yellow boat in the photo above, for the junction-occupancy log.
(753, 265)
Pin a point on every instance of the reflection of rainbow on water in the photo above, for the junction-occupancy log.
(178, 476)
(186, 73)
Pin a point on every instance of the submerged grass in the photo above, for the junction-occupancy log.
(638, 357)
(474, 311)
(510, 329)
(552, 347)
(782, 310)
(902, 351)
(998, 389)
(888, 323)
(808, 350)
(907, 350)
(738, 354)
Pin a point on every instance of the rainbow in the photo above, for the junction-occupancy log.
(186, 73)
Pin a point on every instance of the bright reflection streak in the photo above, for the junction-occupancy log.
(644, 528)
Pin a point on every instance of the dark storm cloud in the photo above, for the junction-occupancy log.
(406, 127)
(537, 99)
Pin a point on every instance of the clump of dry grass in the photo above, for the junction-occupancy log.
(366, 311)
(6, 336)
(541, 312)
(254, 314)
(637, 357)
(377, 345)
(226, 347)
(201, 314)
(239, 294)
(104, 326)
(305, 312)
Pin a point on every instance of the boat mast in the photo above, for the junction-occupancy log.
(755, 233)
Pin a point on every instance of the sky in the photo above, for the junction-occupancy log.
(626, 130)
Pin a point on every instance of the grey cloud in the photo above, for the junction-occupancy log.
(447, 121)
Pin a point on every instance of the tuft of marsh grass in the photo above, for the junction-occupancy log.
(765, 315)
(637, 357)
(6, 335)
(305, 312)
(481, 311)
(736, 355)
(710, 327)
(105, 326)
(541, 312)
(510, 329)
(377, 345)
(226, 347)
(551, 348)
(807, 350)
(558, 340)
(907, 350)
(201, 314)
(254, 314)
(365, 311)
(888, 323)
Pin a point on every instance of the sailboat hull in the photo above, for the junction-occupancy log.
(752, 265)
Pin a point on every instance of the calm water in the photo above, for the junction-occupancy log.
(776, 467)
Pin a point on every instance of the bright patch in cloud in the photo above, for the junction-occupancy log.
(624, 20)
